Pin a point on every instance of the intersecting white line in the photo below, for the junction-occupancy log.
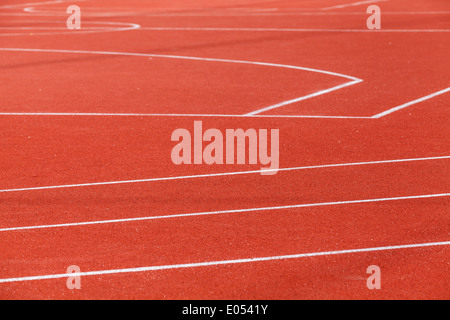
(353, 81)
(224, 262)
(316, 94)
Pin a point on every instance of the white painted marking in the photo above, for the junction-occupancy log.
(285, 66)
(290, 13)
(223, 174)
(353, 4)
(352, 82)
(292, 30)
(253, 114)
(116, 27)
(18, 5)
(208, 213)
(174, 115)
(225, 262)
(53, 28)
(403, 106)
(316, 94)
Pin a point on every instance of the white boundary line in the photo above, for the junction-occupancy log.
(138, 27)
(18, 5)
(127, 26)
(224, 174)
(247, 11)
(224, 262)
(175, 115)
(291, 13)
(251, 114)
(224, 14)
(209, 213)
(316, 94)
(382, 114)
(353, 4)
(288, 29)
(352, 82)
(266, 64)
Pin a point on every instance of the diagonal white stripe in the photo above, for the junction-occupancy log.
(224, 262)
(185, 215)
(223, 174)
(403, 106)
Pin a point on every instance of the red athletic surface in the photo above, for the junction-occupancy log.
(36, 151)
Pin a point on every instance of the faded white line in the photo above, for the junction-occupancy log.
(403, 106)
(174, 115)
(353, 4)
(208, 213)
(292, 30)
(35, 4)
(224, 174)
(116, 27)
(225, 262)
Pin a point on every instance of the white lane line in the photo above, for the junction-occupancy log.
(226, 262)
(316, 94)
(209, 213)
(384, 113)
(291, 13)
(54, 28)
(254, 114)
(318, 13)
(18, 5)
(103, 14)
(352, 82)
(353, 4)
(289, 29)
(175, 115)
(224, 174)
(115, 27)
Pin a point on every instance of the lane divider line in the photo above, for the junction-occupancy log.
(403, 106)
(223, 174)
(224, 262)
(209, 213)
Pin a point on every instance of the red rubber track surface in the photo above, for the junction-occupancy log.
(64, 96)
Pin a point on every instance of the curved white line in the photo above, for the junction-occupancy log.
(353, 81)
(19, 5)
(126, 26)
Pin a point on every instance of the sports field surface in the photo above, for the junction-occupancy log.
(87, 179)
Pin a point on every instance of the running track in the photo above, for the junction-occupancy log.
(86, 176)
